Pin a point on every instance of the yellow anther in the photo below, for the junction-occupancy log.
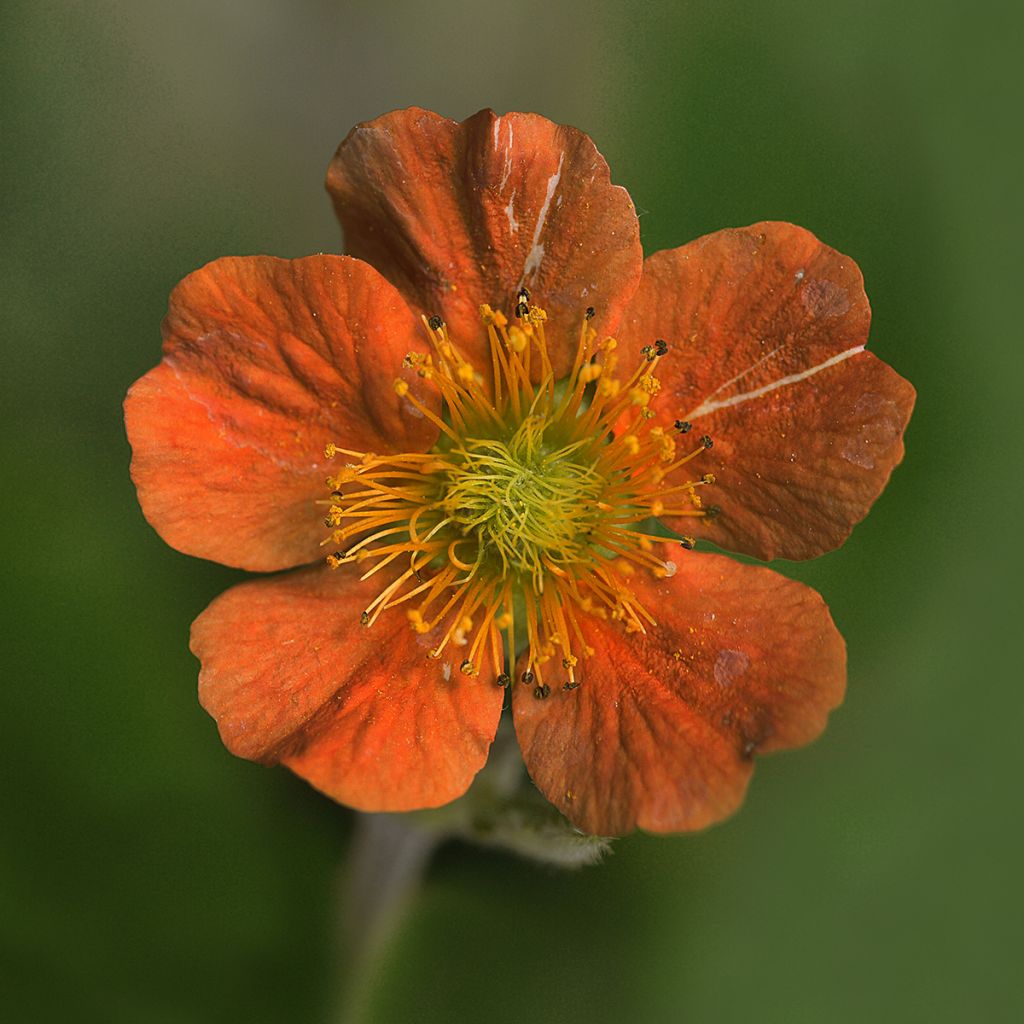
(590, 372)
(401, 388)
(609, 387)
(650, 384)
(516, 338)
(631, 443)
(465, 373)
(486, 314)
(330, 450)
(638, 396)
(708, 478)
(416, 621)
(609, 344)
(570, 661)
(537, 315)
(657, 508)
(503, 621)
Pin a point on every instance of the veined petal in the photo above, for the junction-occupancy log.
(456, 214)
(265, 361)
(767, 328)
(661, 732)
(370, 720)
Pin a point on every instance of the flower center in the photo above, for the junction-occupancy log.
(529, 512)
(523, 499)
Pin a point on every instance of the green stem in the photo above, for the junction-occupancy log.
(388, 858)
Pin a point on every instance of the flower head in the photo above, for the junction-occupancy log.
(498, 435)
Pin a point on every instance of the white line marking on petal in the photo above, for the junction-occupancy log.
(750, 369)
(710, 406)
(513, 224)
(536, 253)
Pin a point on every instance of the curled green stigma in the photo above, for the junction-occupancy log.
(528, 503)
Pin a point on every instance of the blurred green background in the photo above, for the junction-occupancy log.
(147, 876)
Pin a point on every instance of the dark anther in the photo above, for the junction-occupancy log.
(570, 685)
(648, 353)
(327, 522)
(528, 676)
(542, 691)
(466, 667)
(683, 427)
(589, 313)
(707, 442)
(522, 310)
(339, 555)
(435, 323)
(504, 679)
(364, 619)
(524, 294)
(660, 347)
(689, 543)
(337, 495)
(711, 511)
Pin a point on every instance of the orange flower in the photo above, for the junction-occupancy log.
(504, 397)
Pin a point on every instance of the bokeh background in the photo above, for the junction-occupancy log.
(147, 876)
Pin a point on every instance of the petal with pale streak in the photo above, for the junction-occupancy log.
(457, 214)
(265, 361)
(360, 712)
(661, 731)
(766, 329)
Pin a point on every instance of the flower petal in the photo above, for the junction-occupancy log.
(661, 732)
(457, 214)
(766, 328)
(361, 713)
(265, 361)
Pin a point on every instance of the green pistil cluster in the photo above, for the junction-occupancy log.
(529, 505)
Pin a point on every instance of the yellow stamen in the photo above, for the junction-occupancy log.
(524, 518)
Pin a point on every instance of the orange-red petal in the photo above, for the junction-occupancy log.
(766, 328)
(265, 361)
(457, 214)
(361, 713)
(661, 732)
